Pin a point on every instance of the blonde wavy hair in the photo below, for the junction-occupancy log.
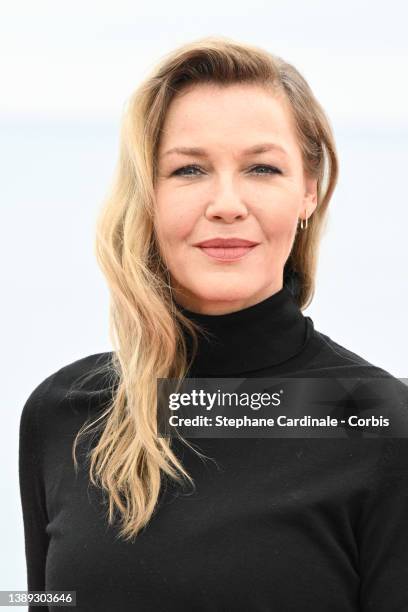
(146, 328)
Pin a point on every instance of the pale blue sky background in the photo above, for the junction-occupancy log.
(67, 70)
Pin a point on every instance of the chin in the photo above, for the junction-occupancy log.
(224, 294)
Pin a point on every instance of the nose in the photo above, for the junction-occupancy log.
(226, 203)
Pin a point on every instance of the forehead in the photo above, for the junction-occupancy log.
(236, 115)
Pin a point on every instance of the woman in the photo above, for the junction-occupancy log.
(223, 142)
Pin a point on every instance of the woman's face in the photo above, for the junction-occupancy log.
(222, 191)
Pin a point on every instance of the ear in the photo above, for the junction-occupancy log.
(310, 197)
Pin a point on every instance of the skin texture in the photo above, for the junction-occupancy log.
(229, 195)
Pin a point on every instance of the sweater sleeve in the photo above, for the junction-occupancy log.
(32, 493)
(383, 533)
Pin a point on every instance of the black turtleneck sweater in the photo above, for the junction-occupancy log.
(272, 524)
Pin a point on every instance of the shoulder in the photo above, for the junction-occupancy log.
(375, 391)
(73, 385)
(331, 354)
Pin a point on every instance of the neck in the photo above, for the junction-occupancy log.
(263, 334)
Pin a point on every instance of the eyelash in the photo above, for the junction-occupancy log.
(193, 167)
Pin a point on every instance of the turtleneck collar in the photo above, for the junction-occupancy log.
(265, 334)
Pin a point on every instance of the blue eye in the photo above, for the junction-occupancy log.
(271, 170)
(180, 173)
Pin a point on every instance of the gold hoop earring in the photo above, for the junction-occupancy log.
(303, 223)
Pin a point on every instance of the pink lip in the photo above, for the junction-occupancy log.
(226, 242)
(227, 253)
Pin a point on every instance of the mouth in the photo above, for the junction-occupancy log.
(227, 253)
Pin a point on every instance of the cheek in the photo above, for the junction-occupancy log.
(278, 220)
(277, 205)
(174, 220)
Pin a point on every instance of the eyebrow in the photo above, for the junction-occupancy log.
(262, 147)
